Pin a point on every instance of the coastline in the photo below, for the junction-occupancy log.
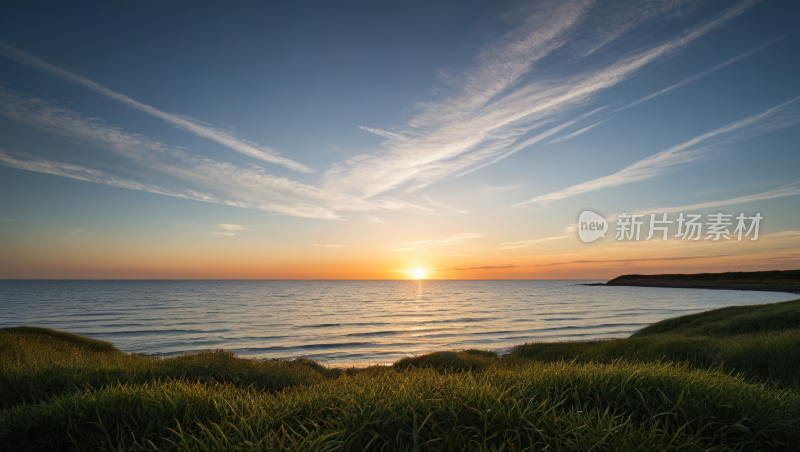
(767, 281)
(733, 366)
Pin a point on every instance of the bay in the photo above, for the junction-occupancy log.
(348, 322)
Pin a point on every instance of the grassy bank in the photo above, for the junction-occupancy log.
(759, 342)
(693, 384)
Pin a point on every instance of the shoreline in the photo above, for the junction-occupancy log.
(787, 281)
(668, 285)
(362, 365)
(731, 366)
(655, 281)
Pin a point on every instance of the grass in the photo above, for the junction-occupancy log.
(770, 358)
(760, 342)
(658, 390)
(731, 321)
(459, 361)
(37, 364)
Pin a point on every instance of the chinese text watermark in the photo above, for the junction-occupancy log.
(688, 226)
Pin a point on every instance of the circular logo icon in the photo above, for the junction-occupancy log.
(591, 225)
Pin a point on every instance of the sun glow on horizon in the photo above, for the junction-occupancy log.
(419, 273)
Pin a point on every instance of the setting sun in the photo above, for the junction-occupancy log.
(255, 215)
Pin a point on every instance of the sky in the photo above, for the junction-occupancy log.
(394, 140)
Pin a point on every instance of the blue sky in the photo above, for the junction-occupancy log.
(263, 140)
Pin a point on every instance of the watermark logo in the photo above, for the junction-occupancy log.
(591, 226)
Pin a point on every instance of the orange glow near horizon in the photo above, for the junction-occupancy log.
(495, 156)
(82, 258)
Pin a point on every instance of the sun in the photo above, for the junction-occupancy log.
(419, 273)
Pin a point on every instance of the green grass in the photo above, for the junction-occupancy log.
(460, 361)
(760, 342)
(772, 358)
(731, 320)
(37, 364)
(562, 406)
(657, 390)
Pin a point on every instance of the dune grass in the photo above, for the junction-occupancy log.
(534, 406)
(37, 364)
(654, 391)
(459, 361)
(771, 357)
(731, 320)
(760, 342)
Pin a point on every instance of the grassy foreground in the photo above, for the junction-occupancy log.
(723, 380)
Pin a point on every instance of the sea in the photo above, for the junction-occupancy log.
(348, 323)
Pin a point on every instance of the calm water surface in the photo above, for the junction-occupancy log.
(353, 322)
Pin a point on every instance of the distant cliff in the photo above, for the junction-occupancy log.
(776, 281)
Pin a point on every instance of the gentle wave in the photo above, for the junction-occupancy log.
(341, 322)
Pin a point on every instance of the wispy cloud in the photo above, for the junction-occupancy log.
(787, 190)
(444, 206)
(780, 236)
(231, 227)
(7, 219)
(330, 245)
(496, 108)
(633, 261)
(183, 175)
(79, 173)
(76, 232)
(485, 267)
(453, 240)
(683, 153)
(199, 128)
(502, 97)
(172, 170)
(702, 74)
(575, 134)
(533, 140)
(524, 243)
(397, 204)
(383, 133)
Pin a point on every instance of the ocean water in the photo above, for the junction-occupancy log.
(348, 322)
